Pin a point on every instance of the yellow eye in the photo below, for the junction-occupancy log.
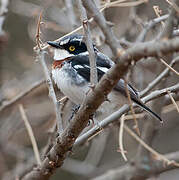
(72, 48)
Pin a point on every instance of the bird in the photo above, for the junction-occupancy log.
(71, 74)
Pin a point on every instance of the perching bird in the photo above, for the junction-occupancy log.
(71, 73)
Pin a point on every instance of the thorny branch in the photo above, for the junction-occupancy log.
(51, 91)
(42, 81)
(90, 20)
(173, 101)
(116, 115)
(159, 78)
(131, 171)
(89, 44)
(52, 163)
(99, 18)
(26, 91)
(169, 67)
(157, 155)
(37, 38)
(48, 78)
(93, 101)
(121, 129)
(149, 25)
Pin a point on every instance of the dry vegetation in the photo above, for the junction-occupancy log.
(142, 38)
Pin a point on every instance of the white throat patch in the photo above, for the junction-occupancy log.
(61, 54)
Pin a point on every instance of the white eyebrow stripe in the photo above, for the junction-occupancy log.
(104, 69)
(87, 66)
(78, 66)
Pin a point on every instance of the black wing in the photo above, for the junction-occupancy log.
(134, 96)
(81, 65)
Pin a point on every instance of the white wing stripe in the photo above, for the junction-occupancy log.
(104, 69)
(78, 66)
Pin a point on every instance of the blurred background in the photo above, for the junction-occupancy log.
(22, 81)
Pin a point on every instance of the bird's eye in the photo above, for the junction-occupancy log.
(72, 48)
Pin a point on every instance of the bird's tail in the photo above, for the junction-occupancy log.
(143, 106)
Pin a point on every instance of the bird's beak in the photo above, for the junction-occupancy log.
(54, 44)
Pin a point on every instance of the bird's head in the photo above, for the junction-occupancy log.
(68, 46)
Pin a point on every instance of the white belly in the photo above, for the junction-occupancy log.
(76, 93)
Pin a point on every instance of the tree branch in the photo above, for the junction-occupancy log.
(89, 44)
(26, 91)
(100, 20)
(159, 78)
(116, 115)
(129, 171)
(51, 91)
(30, 133)
(93, 100)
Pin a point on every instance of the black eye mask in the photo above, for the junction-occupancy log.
(79, 47)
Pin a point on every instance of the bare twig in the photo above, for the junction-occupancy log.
(40, 82)
(79, 28)
(170, 107)
(92, 57)
(147, 89)
(168, 66)
(159, 78)
(121, 148)
(173, 101)
(174, 5)
(116, 115)
(63, 99)
(136, 127)
(122, 3)
(72, 32)
(149, 26)
(94, 99)
(158, 12)
(129, 171)
(157, 155)
(159, 93)
(169, 25)
(30, 133)
(38, 40)
(99, 18)
(51, 141)
(22, 94)
(51, 91)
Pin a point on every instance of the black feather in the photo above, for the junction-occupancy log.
(103, 61)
